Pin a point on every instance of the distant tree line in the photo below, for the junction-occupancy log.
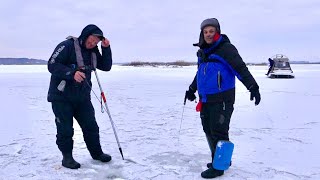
(21, 61)
(184, 63)
(155, 64)
(175, 64)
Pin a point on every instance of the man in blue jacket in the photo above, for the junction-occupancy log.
(70, 66)
(218, 64)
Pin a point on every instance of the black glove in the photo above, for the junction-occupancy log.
(190, 95)
(254, 93)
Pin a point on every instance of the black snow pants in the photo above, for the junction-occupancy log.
(83, 112)
(215, 118)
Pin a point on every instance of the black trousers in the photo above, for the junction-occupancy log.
(215, 118)
(84, 113)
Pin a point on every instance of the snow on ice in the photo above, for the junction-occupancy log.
(276, 140)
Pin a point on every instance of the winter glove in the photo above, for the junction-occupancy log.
(254, 93)
(190, 95)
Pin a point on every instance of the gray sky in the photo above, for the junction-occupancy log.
(163, 30)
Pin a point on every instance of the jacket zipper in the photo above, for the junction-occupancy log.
(205, 69)
(219, 80)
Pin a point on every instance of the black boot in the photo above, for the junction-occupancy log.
(103, 157)
(209, 165)
(69, 162)
(211, 173)
(211, 144)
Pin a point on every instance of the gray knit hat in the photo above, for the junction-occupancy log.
(210, 22)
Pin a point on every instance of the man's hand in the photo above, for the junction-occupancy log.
(105, 42)
(255, 94)
(190, 95)
(79, 76)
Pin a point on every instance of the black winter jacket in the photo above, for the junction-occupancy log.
(63, 64)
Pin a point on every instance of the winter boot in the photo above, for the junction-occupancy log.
(209, 165)
(69, 162)
(211, 173)
(103, 157)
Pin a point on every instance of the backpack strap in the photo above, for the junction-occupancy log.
(79, 57)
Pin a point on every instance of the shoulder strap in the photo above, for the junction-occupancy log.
(94, 60)
(79, 57)
(77, 50)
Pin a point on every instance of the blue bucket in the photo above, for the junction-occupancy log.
(223, 155)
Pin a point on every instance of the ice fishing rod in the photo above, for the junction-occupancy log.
(184, 105)
(108, 112)
(106, 109)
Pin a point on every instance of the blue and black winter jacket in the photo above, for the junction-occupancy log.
(63, 64)
(218, 65)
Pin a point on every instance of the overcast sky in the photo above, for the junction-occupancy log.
(163, 30)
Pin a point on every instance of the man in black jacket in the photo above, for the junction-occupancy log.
(70, 66)
(271, 63)
(218, 64)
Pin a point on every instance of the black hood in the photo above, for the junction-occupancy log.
(90, 29)
(225, 38)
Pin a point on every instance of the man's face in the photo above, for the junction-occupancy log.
(92, 41)
(208, 33)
